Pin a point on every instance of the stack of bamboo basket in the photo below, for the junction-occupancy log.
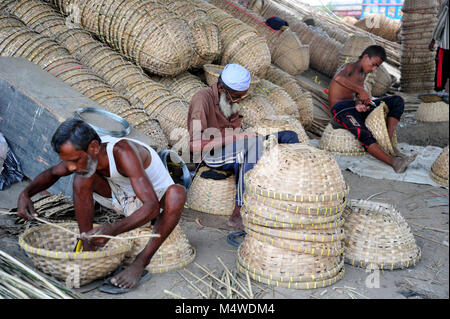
(417, 61)
(285, 48)
(380, 25)
(241, 43)
(155, 38)
(293, 202)
(55, 59)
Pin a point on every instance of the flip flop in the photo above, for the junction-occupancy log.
(231, 238)
(108, 287)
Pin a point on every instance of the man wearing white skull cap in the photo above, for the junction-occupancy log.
(215, 131)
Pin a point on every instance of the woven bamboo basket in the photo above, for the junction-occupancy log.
(380, 25)
(282, 102)
(207, 43)
(433, 112)
(276, 123)
(212, 73)
(146, 32)
(340, 142)
(241, 44)
(280, 267)
(184, 85)
(350, 20)
(286, 219)
(301, 97)
(382, 82)
(290, 54)
(51, 251)
(377, 236)
(353, 48)
(439, 169)
(376, 123)
(298, 173)
(216, 197)
(174, 253)
(254, 109)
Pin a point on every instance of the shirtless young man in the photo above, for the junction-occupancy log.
(126, 170)
(350, 106)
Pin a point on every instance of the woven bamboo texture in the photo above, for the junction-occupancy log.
(283, 268)
(301, 97)
(376, 123)
(340, 142)
(380, 25)
(144, 31)
(185, 85)
(216, 197)
(212, 73)
(282, 102)
(207, 43)
(417, 61)
(433, 112)
(241, 43)
(377, 236)
(174, 253)
(51, 251)
(254, 109)
(285, 48)
(99, 58)
(313, 176)
(276, 123)
(439, 169)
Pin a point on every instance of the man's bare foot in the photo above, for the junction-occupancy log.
(398, 153)
(129, 277)
(401, 163)
(235, 220)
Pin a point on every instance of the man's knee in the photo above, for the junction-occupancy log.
(396, 105)
(176, 194)
(287, 137)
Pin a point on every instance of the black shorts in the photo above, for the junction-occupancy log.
(346, 115)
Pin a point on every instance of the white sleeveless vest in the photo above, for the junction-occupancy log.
(156, 172)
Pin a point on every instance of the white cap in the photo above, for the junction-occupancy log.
(236, 77)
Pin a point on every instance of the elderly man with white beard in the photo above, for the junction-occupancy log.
(215, 131)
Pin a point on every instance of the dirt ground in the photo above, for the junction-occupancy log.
(207, 233)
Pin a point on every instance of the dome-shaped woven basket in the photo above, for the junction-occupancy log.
(174, 253)
(376, 123)
(255, 108)
(216, 197)
(212, 73)
(277, 123)
(51, 251)
(282, 102)
(439, 169)
(185, 85)
(340, 142)
(298, 173)
(378, 237)
(433, 112)
(285, 268)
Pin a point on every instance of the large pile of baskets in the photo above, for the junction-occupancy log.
(380, 25)
(417, 61)
(293, 201)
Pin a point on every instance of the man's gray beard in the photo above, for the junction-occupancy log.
(91, 167)
(226, 107)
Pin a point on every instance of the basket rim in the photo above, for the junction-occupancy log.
(68, 255)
